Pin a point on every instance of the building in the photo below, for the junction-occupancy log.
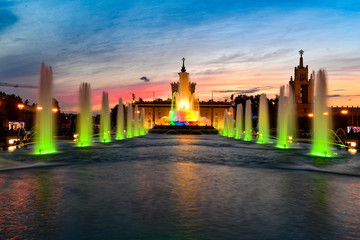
(303, 88)
(212, 113)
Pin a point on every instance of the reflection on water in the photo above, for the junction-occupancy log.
(178, 187)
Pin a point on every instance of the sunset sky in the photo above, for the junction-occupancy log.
(231, 47)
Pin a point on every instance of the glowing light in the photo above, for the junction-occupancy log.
(352, 150)
(344, 111)
(325, 113)
(11, 148)
(39, 108)
(228, 113)
(54, 110)
(184, 105)
(21, 106)
(311, 115)
(353, 144)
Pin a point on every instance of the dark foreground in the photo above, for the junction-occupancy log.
(180, 187)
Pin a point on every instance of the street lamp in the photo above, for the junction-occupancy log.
(20, 106)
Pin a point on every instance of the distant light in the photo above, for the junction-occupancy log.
(326, 113)
(344, 111)
(310, 115)
(21, 106)
(39, 108)
(55, 110)
(290, 137)
(352, 150)
(11, 148)
(228, 113)
(138, 112)
(353, 144)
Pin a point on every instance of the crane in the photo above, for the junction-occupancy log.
(17, 85)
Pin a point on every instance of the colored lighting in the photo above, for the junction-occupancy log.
(54, 110)
(39, 108)
(344, 111)
(311, 115)
(21, 106)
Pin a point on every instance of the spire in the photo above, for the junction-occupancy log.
(301, 52)
(183, 66)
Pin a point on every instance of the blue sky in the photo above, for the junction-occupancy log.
(228, 46)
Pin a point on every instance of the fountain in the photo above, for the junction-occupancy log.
(84, 123)
(226, 125)
(120, 121)
(282, 120)
(292, 119)
(264, 129)
(142, 122)
(129, 122)
(286, 118)
(136, 122)
(44, 116)
(248, 121)
(231, 123)
(105, 134)
(184, 114)
(239, 121)
(322, 122)
(184, 106)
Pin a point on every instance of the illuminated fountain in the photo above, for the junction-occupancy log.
(264, 129)
(231, 123)
(248, 121)
(44, 117)
(239, 121)
(322, 122)
(105, 134)
(286, 119)
(226, 125)
(184, 105)
(84, 123)
(120, 121)
(184, 115)
(129, 122)
(142, 122)
(136, 122)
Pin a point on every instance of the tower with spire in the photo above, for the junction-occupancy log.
(303, 87)
(183, 75)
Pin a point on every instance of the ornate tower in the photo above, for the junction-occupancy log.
(303, 88)
(175, 85)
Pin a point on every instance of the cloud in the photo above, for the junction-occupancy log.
(7, 18)
(247, 91)
(145, 79)
(211, 72)
(344, 95)
(251, 57)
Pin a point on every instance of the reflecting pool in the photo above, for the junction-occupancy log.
(179, 187)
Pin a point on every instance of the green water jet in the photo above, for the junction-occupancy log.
(120, 121)
(264, 129)
(248, 121)
(45, 123)
(239, 121)
(105, 133)
(84, 121)
(322, 121)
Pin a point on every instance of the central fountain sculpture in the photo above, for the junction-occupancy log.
(184, 105)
